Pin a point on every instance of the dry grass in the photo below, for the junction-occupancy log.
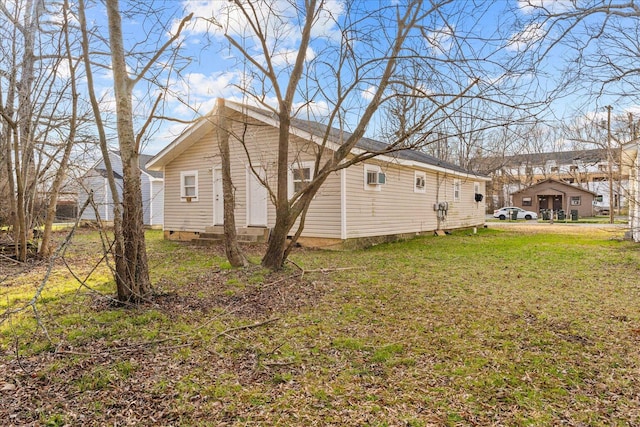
(513, 327)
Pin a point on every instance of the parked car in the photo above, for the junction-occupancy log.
(599, 208)
(507, 212)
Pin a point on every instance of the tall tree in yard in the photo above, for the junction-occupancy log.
(132, 270)
(234, 252)
(345, 60)
(46, 245)
(38, 115)
(131, 265)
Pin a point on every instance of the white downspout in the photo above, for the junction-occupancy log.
(343, 204)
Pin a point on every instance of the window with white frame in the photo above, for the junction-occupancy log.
(189, 185)
(576, 200)
(374, 178)
(420, 182)
(456, 190)
(300, 174)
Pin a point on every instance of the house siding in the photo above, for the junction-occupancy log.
(323, 219)
(145, 189)
(180, 215)
(102, 197)
(157, 202)
(397, 209)
(464, 212)
(634, 208)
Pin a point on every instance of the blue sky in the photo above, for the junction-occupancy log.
(500, 32)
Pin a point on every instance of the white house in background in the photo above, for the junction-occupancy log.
(390, 196)
(631, 165)
(152, 185)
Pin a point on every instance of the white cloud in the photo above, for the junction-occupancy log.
(529, 6)
(315, 111)
(54, 15)
(633, 109)
(441, 40)
(200, 91)
(287, 57)
(530, 35)
(277, 19)
(325, 25)
(369, 93)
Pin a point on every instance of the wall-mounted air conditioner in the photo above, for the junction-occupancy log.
(376, 178)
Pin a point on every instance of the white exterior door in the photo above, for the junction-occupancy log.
(218, 197)
(256, 200)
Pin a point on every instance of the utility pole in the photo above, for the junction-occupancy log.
(610, 163)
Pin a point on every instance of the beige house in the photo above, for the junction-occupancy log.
(390, 196)
(555, 195)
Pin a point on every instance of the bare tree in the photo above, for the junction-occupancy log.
(46, 245)
(131, 266)
(353, 71)
(37, 122)
(232, 248)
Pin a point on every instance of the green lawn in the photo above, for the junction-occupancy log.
(508, 327)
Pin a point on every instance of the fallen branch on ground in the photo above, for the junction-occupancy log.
(253, 325)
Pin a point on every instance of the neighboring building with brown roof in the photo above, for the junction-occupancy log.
(555, 195)
(585, 169)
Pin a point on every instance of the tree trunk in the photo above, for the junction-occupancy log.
(23, 143)
(234, 253)
(46, 247)
(274, 256)
(132, 272)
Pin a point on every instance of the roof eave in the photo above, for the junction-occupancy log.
(182, 142)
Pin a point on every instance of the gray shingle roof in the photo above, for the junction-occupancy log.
(560, 157)
(143, 160)
(336, 135)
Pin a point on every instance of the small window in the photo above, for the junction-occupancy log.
(526, 201)
(189, 186)
(576, 200)
(420, 182)
(301, 176)
(573, 168)
(456, 190)
(599, 198)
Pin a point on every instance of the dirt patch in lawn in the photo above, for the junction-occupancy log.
(249, 293)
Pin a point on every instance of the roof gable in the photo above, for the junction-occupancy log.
(555, 182)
